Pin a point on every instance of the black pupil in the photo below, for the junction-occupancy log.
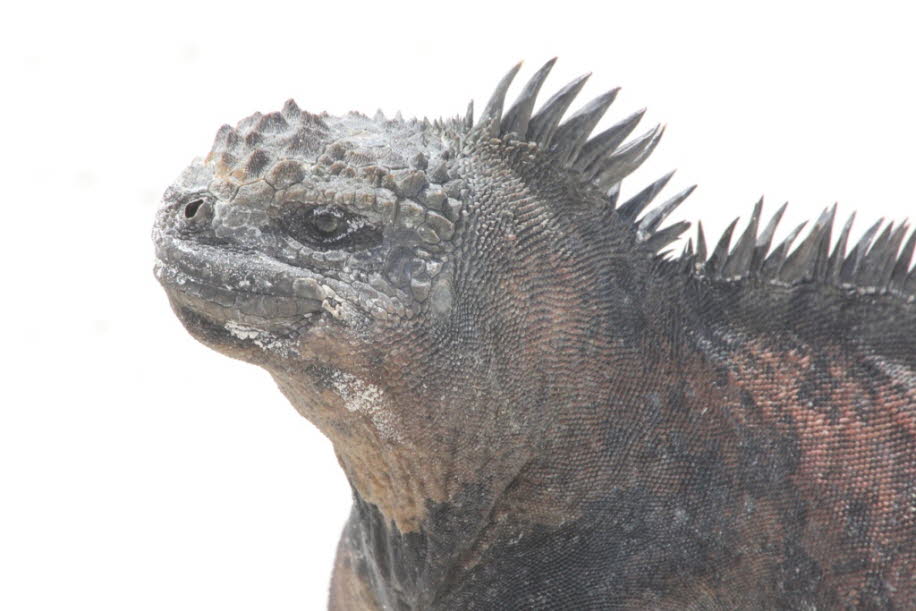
(326, 222)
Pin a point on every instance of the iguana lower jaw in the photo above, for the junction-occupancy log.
(224, 307)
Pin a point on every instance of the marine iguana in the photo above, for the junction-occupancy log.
(536, 405)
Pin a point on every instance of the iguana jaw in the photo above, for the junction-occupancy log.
(233, 299)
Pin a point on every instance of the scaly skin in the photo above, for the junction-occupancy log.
(535, 410)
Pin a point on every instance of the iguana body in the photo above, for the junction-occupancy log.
(534, 408)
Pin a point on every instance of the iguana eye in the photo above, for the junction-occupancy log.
(326, 227)
(327, 222)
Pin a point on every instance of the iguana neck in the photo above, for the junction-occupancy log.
(472, 499)
(644, 450)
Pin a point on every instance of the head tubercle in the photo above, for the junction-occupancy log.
(249, 148)
(395, 170)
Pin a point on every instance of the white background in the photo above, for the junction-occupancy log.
(139, 470)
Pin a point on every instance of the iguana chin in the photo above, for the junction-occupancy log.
(536, 406)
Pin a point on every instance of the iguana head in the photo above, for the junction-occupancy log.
(318, 247)
(417, 287)
(299, 224)
(410, 284)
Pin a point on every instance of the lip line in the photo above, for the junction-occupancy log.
(179, 257)
(189, 290)
(188, 279)
(201, 250)
(233, 321)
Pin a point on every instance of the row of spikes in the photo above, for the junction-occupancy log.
(602, 160)
(878, 263)
(599, 160)
(872, 263)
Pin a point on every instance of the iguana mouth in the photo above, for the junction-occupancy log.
(237, 288)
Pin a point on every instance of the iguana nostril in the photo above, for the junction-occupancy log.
(191, 209)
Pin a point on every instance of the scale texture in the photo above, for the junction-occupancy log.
(536, 404)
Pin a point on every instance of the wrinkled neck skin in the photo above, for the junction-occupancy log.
(451, 459)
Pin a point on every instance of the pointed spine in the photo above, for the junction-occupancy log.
(874, 258)
(654, 217)
(739, 260)
(491, 115)
(835, 265)
(516, 119)
(898, 276)
(777, 258)
(879, 262)
(605, 143)
(890, 262)
(809, 260)
(700, 264)
(852, 263)
(573, 133)
(622, 163)
(762, 247)
(660, 239)
(542, 125)
(468, 122)
(636, 204)
(720, 252)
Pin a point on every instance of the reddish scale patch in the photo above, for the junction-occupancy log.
(855, 437)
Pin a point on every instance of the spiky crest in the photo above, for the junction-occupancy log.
(604, 160)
